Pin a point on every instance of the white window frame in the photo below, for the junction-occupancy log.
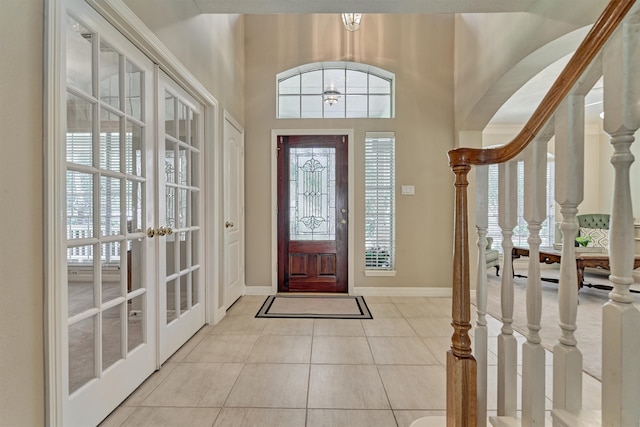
(336, 93)
(380, 194)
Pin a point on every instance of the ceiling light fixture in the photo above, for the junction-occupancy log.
(351, 21)
(331, 96)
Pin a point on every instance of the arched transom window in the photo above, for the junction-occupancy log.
(335, 90)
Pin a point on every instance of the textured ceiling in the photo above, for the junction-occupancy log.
(364, 6)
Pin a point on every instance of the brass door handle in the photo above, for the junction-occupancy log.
(228, 224)
(151, 232)
(165, 230)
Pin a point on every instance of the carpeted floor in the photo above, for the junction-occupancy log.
(589, 317)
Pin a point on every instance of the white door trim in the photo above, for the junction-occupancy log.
(274, 198)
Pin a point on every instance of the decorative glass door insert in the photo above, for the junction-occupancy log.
(312, 190)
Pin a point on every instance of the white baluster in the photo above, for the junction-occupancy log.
(567, 358)
(533, 354)
(507, 343)
(621, 319)
(481, 332)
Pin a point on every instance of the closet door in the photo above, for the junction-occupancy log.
(180, 204)
(108, 308)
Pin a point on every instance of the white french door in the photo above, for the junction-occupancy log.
(108, 300)
(180, 204)
(233, 171)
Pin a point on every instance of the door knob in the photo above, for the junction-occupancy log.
(151, 232)
(228, 224)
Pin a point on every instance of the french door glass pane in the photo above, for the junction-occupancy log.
(312, 193)
(79, 130)
(182, 207)
(133, 149)
(109, 206)
(183, 121)
(79, 205)
(135, 322)
(185, 304)
(194, 134)
(109, 75)
(80, 279)
(195, 203)
(195, 250)
(134, 206)
(185, 244)
(170, 206)
(109, 141)
(183, 165)
(169, 114)
(195, 280)
(133, 91)
(111, 267)
(135, 261)
(111, 336)
(79, 56)
(171, 267)
(169, 161)
(172, 312)
(82, 355)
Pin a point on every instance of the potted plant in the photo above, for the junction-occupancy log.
(582, 241)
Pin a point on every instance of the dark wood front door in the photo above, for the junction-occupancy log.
(312, 213)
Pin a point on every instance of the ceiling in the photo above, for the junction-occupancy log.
(364, 6)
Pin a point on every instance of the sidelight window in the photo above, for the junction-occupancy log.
(379, 200)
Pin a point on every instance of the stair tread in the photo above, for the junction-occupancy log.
(583, 418)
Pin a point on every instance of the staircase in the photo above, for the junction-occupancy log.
(611, 51)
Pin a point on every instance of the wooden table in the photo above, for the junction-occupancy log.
(583, 260)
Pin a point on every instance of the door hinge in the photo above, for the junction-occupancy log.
(344, 139)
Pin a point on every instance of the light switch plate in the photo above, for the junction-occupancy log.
(408, 190)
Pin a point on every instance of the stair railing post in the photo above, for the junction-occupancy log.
(533, 353)
(507, 343)
(567, 358)
(461, 366)
(620, 318)
(481, 334)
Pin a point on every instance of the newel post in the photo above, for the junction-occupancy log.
(461, 366)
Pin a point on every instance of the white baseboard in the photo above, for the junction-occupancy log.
(402, 292)
(258, 290)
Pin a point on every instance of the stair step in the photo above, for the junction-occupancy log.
(580, 419)
(430, 421)
(505, 421)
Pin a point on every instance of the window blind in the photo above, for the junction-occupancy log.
(380, 200)
(521, 231)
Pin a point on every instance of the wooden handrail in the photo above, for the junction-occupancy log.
(461, 365)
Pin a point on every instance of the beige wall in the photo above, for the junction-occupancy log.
(419, 50)
(496, 53)
(21, 213)
(210, 46)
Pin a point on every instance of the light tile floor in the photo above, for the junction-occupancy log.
(244, 372)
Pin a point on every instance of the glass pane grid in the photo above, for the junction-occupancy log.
(335, 93)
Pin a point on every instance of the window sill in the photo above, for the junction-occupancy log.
(380, 273)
